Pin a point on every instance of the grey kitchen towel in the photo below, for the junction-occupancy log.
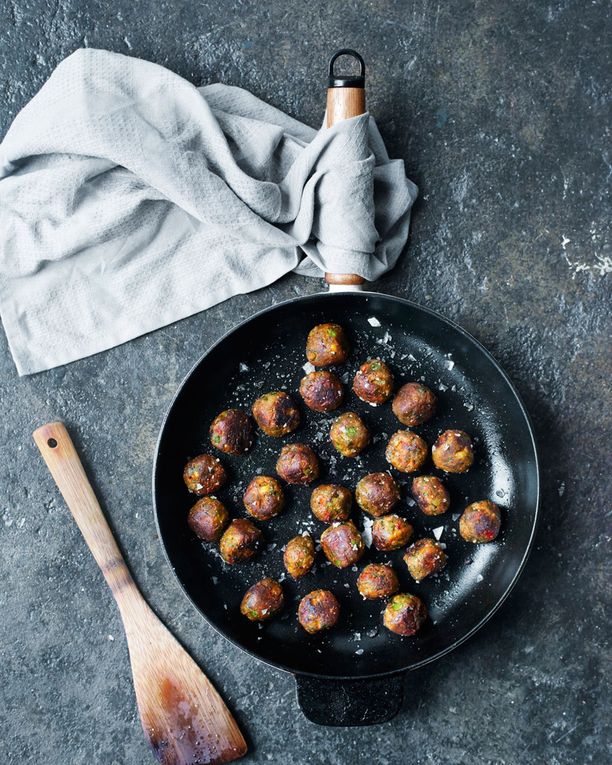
(130, 198)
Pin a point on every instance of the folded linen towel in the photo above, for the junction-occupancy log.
(130, 199)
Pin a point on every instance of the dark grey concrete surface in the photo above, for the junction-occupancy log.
(501, 111)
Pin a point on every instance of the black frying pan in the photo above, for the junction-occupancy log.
(352, 674)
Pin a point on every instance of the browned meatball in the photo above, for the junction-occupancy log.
(423, 558)
(342, 544)
(204, 474)
(453, 452)
(297, 463)
(330, 503)
(431, 494)
(276, 413)
(240, 541)
(377, 581)
(373, 382)
(349, 434)
(319, 610)
(406, 451)
(405, 614)
(377, 494)
(391, 532)
(264, 498)
(321, 391)
(414, 404)
(207, 519)
(480, 522)
(262, 601)
(299, 556)
(327, 344)
(232, 432)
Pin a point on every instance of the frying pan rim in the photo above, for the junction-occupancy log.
(536, 514)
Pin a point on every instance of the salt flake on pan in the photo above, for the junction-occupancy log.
(243, 367)
(456, 516)
(367, 531)
(437, 532)
(373, 322)
(308, 367)
(479, 578)
(450, 364)
(359, 651)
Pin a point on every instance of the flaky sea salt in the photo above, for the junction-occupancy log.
(243, 367)
(373, 322)
(438, 531)
(308, 367)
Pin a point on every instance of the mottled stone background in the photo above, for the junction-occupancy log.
(501, 112)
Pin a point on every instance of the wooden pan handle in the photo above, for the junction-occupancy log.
(67, 470)
(345, 99)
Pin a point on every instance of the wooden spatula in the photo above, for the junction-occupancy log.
(184, 718)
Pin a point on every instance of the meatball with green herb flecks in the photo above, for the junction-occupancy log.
(453, 452)
(276, 413)
(414, 404)
(377, 580)
(405, 614)
(232, 432)
(480, 522)
(204, 475)
(321, 391)
(297, 463)
(327, 344)
(299, 556)
(262, 601)
(342, 544)
(423, 558)
(240, 541)
(373, 382)
(330, 503)
(264, 498)
(406, 451)
(349, 435)
(431, 495)
(391, 532)
(319, 610)
(207, 519)
(377, 494)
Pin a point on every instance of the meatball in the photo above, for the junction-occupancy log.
(349, 435)
(207, 519)
(319, 610)
(377, 581)
(373, 382)
(391, 532)
(414, 404)
(406, 451)
(321, 391)
(342, 544)
(327, 344)
(330, 503)
(264, 498)
(405, 614)
(453, 452)
(232, 432)
(262, 601)
(480, 522)
(240, 541)
(299, 556)
(423, 558)
(377, 494)
(204, 474)
(276, 414)
(297, 463)
(431, 495)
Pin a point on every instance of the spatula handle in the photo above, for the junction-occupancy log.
(345, 99)
(67, 470)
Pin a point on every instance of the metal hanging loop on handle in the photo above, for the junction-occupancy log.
(346, 81)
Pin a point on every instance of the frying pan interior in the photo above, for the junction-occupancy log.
(267, 353)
